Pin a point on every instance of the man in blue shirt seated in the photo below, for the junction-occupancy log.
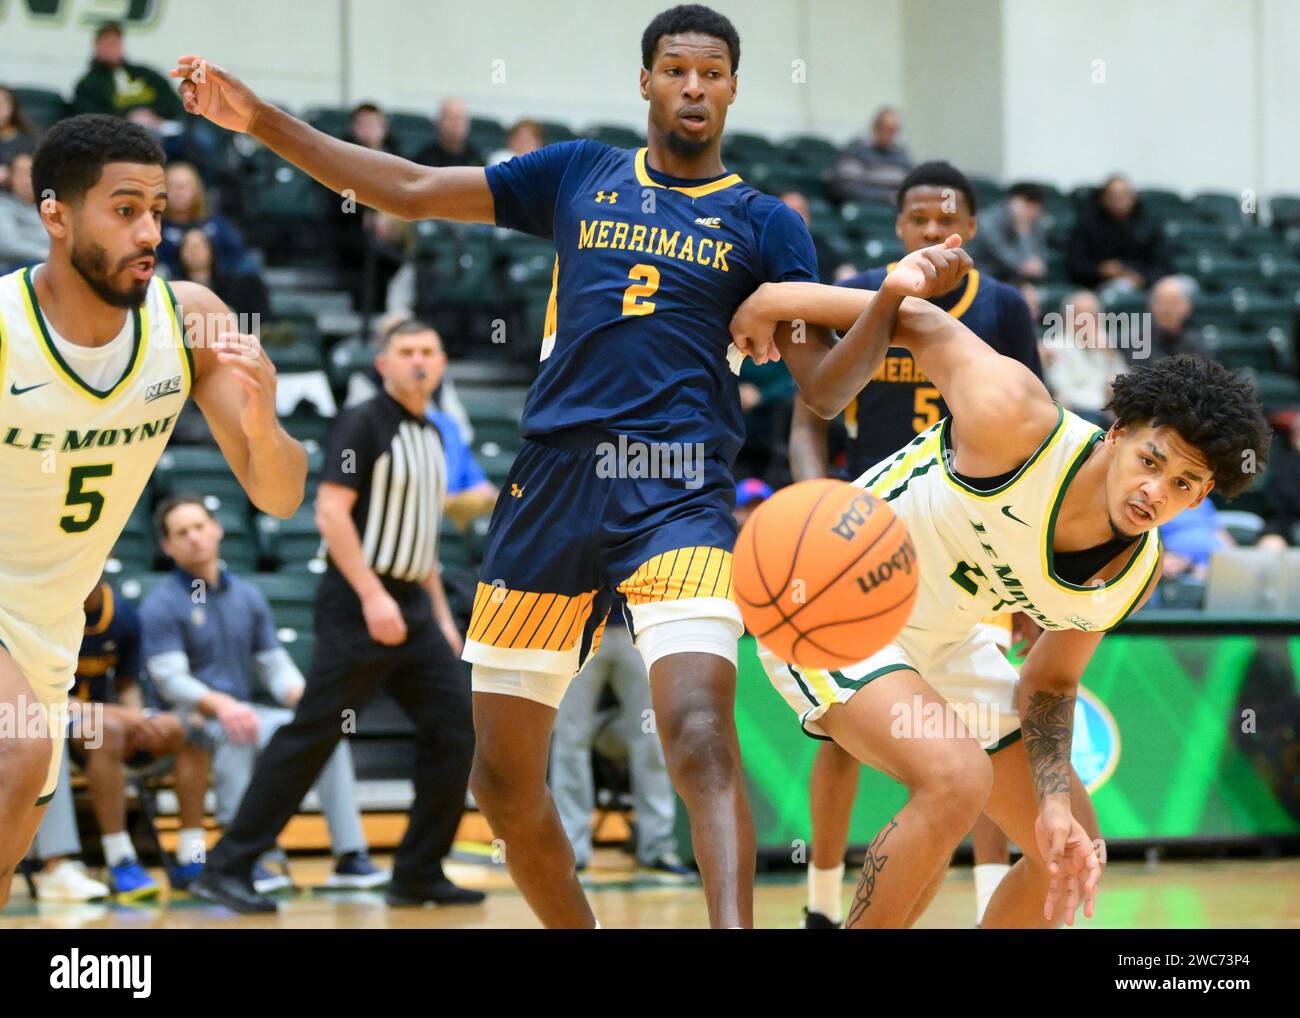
(115, 726)
(210, 646)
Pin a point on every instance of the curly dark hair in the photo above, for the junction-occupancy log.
(689, 18)
(1213, 409)
(70, 158)
(937, 173)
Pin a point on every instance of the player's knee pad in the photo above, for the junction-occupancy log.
(537, 686)
(705, 625)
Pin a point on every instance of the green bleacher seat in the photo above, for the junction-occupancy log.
(868, 219)
(553, 131)
(809, 150)
(486, 134)
(298, 356)
(613, 134)
(332, 120)
(1192, 235)
(299, 644)
(1239, 349)
(1284, 210)
(453, 549)
(1278, 392)
(988, 192)
(41, 106)
(495, 461)
(293, 541)
(749, 147)
(1218, 208)
(308, 426)
(351, 355)
(411, 132)
(1164, 204)
(135, 585)
(135, 551)
(504, 431)
(1281, 276)
(1256, 242)
(291, 596)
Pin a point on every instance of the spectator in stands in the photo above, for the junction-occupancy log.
(1172, 302)
(244, 292)
(1282, 486)
(1012, 240)
(187, 209)
(1080, 359)
(369, 246)
(1115, 244)
(128, 730)
(451, 145)
(1190, 539)
(766, 404)
(829, 267)
(526, 136)
(112, 85)
(16, 133)
(750, 494)
(23, 240)
(871, 168)
(580, 724)
(210, 646)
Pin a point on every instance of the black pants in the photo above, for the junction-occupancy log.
(347, 667)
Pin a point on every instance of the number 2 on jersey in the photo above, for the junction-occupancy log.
(648, 277)
(78, 495)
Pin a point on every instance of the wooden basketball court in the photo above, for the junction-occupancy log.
(1204, 895)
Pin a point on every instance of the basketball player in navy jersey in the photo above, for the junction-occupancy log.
(935, 200)
(624, 481)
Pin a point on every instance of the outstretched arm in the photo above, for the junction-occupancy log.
(1001, 412)
(377, 179)
(234, 386)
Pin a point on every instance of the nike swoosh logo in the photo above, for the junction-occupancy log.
(13, 387)
(1006, 511)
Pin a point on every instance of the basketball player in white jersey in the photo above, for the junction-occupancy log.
(1013, 504)
(94, 370)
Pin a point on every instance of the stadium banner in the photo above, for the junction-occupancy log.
(1181, 731)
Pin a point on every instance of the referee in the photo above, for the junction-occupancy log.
(381, 617)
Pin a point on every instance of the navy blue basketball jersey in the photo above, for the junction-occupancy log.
(900, 402)
(649, 270)
(110, 649)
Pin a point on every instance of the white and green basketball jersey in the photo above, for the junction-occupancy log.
(988, 552)
(74, 457)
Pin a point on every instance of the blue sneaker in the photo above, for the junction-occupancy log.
(184, 875)
(131, 882)
(355, 870)
(264, 881)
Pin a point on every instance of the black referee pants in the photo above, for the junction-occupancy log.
(347, 668)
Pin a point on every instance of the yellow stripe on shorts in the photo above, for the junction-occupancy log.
(679, 574)
(528, 620)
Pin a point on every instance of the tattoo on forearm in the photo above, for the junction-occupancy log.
(1047, 727)
(875, 862)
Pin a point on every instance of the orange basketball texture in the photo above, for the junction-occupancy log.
(824, 573)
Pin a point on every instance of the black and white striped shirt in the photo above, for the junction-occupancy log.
(394, 461)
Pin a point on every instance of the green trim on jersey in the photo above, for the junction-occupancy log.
(58, 358)
(189, 354)
(1057, 501)
(917, 472)
(1137, 598)
(945, 446)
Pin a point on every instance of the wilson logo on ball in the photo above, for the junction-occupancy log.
(824, 574)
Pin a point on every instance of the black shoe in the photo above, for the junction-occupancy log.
(817, 921)
(233, 893)
(442, 892)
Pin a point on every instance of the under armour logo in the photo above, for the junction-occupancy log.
(516, 491)
(611, 197)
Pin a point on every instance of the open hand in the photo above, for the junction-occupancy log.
(931, 271)
(208, 90)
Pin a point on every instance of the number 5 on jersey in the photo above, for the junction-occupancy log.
(647, 277)
(79, 495)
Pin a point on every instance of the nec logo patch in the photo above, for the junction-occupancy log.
(160, 389)
(712, 222)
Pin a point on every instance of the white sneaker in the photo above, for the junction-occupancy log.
(68, 882)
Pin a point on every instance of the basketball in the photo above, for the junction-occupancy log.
(824, 573)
